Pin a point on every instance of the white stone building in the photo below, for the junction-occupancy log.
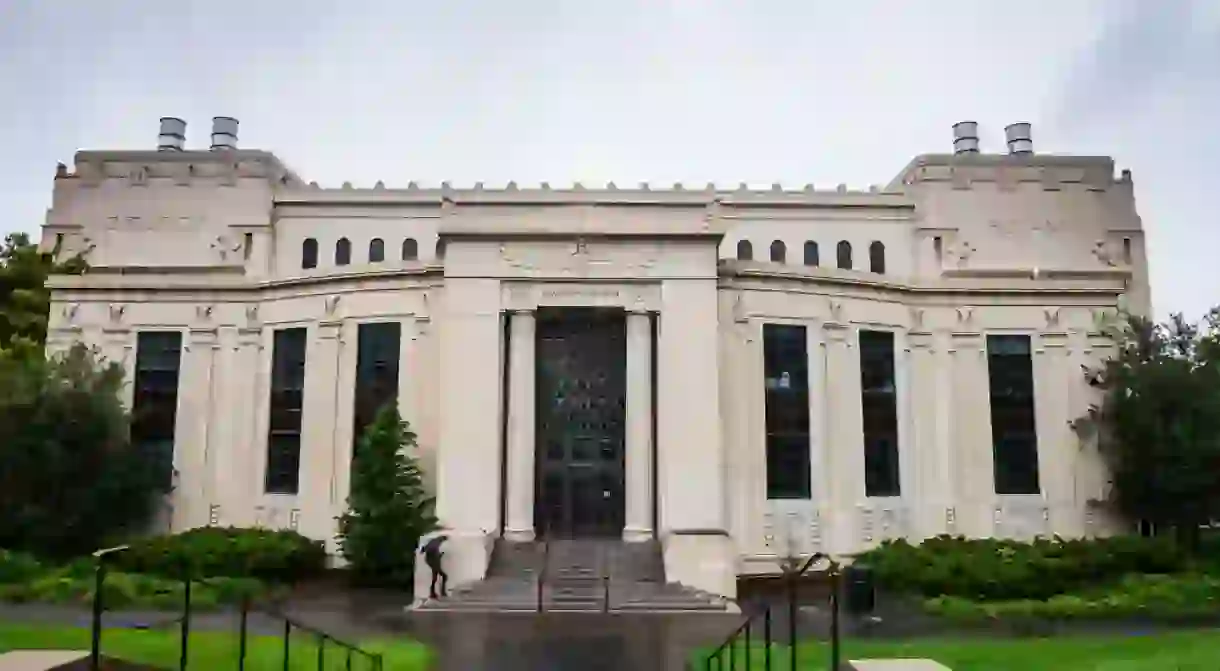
(735, 371)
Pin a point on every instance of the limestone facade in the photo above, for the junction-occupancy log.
(210, 243)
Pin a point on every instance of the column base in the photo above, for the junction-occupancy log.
(519, 535)
(637, 535)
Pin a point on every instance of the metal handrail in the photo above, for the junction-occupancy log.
(742, 632)
(546, 557)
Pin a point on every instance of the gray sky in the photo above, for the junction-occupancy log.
(761, 91)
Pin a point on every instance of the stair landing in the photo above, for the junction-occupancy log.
(581, 575)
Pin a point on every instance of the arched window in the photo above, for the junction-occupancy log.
(745, 251)
(343, 252)
(844, 254)
(440, 249)
(876, 257)
(779, 251)
(376, 250)
(309, 253)
(811, 253)
(410, 249)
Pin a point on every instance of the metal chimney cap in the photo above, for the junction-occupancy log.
(224, 133)
(172, 136)
(1020, 138)
(966, 137)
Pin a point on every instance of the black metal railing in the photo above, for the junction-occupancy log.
(340, 653)
(743, 637)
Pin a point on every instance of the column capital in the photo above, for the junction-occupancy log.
(522, 312)
(640, 310)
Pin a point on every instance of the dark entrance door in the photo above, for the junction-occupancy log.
(582, 410)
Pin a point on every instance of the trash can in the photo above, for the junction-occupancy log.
(859, 592)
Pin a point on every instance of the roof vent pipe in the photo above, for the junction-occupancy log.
(224, 133)
(966, 137)
(1019, 138)
(173, 134)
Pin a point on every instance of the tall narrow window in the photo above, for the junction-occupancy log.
(843, 252)
(376, 250)
(938, 248)
(1014, 436)
(878, 398)
(786, 385)
(376, 371)
(745, 250)
(287, 401)
(343, 252)
(309, 253)
(876, 257)
(779, 251)
(440, 249)
(811, 253)
(247, 246)
(410, 249)
(1127, 251)
(155, 397)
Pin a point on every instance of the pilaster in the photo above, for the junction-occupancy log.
(1057, 450)
(970, 431)
(639, 428)
(319, 426)
(521, 426)
(194, 429)
(845, 446)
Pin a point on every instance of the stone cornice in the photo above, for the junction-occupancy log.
(229, 283)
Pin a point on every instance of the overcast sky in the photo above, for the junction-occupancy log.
(760, 91)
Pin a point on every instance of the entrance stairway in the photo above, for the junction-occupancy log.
(576, 576)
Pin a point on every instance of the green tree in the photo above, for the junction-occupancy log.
(70, 480)
(388, 507)
(1157, 424)
(24, 299)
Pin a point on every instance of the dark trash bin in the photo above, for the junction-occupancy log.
(859, 590)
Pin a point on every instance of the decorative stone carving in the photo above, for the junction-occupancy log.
(961, 252)
(139, 176)
(213, 515)
(835, 309)
(768, 530)
(815, 530)
(203, 312)
(223, 245)
(965, 315)
(116, 312)
(294, 519)
(252, 315)
(1052, 317)
(739, 309)
(331, 304)
(866, 524)
(1102, 252)
(69, 312)
(917, 318)
(950, 518)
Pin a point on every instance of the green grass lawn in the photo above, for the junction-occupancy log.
(212, 650)
(1178, 651)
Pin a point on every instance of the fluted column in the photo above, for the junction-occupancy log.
(520, 494)
(639, 428)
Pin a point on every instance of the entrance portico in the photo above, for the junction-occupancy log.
(597, 416)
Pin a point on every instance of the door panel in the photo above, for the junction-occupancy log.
(581, 406)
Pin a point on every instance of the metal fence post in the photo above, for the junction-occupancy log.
(241, 640)
(835, 585)
(767, 639)
(287, 636)
(321, 653)
(792, 620)
(95, 650)
(186, 622)
(748, 644)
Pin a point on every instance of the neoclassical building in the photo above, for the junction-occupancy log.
(737, 372)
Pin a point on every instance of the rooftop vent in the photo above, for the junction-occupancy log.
(173, 134)
(966, 137)
(1019, 138)
(224, 133)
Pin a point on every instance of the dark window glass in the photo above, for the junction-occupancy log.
(343, 252)
(786, 386)
(376, 250)
(309, 253)
(410, 249)
(1014, 436)
(376, 371)
(811, 253)
(155, 397)
(287, 402)
(876, 257)
(843, 254)
(779, 251)
(879, 401)
(440, 249)
(745, 250)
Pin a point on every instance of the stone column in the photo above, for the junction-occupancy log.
(318, 434)
(193, 430)
(845, 446)
(520, 495)
(970, 437)
(639, 428)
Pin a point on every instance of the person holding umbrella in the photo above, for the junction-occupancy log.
(432, 556)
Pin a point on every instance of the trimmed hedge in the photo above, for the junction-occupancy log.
(273, 555)
(1153, 596)
(999, 570)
